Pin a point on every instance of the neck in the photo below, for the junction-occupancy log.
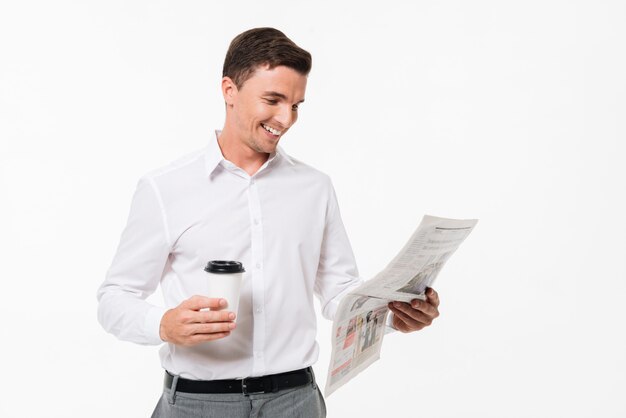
(240, 154)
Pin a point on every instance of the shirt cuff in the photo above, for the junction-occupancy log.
(389, 324)
(153, 325)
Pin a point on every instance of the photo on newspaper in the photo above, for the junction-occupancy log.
(361, 319)
(358, 338)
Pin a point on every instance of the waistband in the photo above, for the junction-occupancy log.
(247, 386)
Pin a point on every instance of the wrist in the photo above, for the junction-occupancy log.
(163, 329)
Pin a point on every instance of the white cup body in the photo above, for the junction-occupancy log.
(226, 286)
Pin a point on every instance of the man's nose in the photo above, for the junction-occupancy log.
(286, 117)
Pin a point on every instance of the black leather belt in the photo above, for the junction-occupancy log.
(247, 386)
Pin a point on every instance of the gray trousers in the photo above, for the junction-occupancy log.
(304, 401)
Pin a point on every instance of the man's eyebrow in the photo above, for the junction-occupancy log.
(279, 95)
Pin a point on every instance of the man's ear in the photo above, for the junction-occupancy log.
(229, 91)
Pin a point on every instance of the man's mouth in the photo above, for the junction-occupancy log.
(271, 130)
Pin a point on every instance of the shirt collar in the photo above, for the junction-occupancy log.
(281, 152)
(214, 155)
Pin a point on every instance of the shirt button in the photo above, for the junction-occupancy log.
(259, 310)
(258, 265)
(256, 221)
(258, 354)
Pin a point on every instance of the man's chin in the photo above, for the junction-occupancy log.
(267, 143)
(266, 148)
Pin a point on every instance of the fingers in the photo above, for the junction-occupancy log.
(201, 338)
(200, 302)
(425, 307)
(211, 328)
(413, 317)
(405, 323)
(433, 297)
(412, 313)
(204, 317)
(213, 316)
(189, 323)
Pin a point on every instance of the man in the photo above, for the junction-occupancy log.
(242, 198)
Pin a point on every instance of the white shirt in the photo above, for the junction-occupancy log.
(282, 223)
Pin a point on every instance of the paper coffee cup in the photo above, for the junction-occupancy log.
(224, 281)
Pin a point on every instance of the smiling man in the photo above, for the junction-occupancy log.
(240, 198)
(258, 115)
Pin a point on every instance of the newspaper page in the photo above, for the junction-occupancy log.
(359, 325)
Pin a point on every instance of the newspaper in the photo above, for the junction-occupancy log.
(359, 324)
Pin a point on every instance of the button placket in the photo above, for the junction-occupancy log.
(258, 282)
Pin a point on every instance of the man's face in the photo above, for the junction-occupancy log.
(265, 107)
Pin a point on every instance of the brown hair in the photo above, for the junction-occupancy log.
(259, 47)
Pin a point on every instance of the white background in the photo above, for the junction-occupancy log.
(510, 112)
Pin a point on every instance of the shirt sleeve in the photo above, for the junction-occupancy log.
(337, 273)
(136, 271)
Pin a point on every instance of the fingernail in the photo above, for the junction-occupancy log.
(232, 326)
(231, 316)
(415, 303)
(396, 304)
(222, 302)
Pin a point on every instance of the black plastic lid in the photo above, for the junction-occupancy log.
(223, 266)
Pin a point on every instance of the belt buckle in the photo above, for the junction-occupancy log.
(244, 386)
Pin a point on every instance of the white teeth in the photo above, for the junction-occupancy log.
(270, 129)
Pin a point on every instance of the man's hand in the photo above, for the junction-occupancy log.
(188, 325)
(417, 315)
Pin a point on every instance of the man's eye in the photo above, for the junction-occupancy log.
(270, 101)
(294, 107)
